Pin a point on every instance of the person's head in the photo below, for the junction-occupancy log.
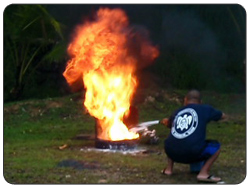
(192, 97)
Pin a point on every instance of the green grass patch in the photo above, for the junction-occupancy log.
(35, 129)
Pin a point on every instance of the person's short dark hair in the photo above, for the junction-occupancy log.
(193, 95)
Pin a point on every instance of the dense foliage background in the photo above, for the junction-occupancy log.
(201, 46)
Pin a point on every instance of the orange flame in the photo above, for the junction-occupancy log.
(99, 54)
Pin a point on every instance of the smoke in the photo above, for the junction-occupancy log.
(140, 46)
(185, 31)
(193, 48)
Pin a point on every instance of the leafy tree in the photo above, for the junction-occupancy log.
(31, 37)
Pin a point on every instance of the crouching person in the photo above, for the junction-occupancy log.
(187, 142)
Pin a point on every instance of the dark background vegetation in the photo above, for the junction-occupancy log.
(201, 46)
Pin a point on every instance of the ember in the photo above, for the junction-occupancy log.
(101, 57)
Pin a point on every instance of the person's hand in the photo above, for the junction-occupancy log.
(164, 121)
(224, 118)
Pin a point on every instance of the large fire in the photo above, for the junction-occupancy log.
(100, 56)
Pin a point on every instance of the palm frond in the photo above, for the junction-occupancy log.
(57, 53)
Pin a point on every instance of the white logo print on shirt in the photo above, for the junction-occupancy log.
(185, 123)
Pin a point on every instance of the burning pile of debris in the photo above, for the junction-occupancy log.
(105, 54)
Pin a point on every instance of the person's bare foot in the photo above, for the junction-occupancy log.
(208, 178)
(165, 171)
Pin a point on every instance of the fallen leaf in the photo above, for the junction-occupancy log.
(63, 146)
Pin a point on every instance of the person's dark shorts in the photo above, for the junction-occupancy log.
(187, 157)
(211, 147)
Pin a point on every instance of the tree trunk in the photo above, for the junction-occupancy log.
(17, 91)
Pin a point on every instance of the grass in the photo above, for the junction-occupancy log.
(35, 129)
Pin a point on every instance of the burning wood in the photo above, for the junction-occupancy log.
(101, 57)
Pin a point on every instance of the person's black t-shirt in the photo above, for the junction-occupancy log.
(188, 132)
